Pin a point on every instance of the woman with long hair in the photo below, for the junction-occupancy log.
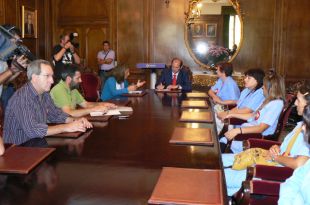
(296, 190)
(293, 152)
(265, 119)
(117, 83)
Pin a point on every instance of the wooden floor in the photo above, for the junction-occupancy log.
(116, 164)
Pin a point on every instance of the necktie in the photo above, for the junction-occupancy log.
(174, 79)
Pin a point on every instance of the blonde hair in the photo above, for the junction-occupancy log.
(275, 88)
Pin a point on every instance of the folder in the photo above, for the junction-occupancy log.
(67, 135)
(192, 136)
(168, 91)
(188, 186)
(196, 117)
(21, 160)
(103, 118)
(137, 93)
(199, 104)
(197, 95)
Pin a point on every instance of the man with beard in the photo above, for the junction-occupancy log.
(66, 95)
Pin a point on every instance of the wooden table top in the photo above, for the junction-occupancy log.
(118, 163)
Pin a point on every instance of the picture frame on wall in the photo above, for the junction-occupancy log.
(211, 29)
(198, 30)
(29, 22)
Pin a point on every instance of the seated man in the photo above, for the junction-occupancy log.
(31, 108)
(67, 97)
(225, 91)
(175, 77)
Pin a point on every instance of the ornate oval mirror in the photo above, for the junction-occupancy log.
(213, 31)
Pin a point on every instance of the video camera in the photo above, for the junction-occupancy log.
(72, 36)
(9, 48)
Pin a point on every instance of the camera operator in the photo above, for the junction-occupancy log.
(17, 64)
(64, 53)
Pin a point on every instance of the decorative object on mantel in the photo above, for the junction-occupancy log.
(194, 10)
(208, 80)
(217, 54)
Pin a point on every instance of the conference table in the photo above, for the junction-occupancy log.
(118, 163)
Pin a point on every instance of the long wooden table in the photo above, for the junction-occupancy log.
(117, 164)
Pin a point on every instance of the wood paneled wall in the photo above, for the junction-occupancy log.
(276, 32)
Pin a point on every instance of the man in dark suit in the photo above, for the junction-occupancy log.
(175, 77)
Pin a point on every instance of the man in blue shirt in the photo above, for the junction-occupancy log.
(31, 108)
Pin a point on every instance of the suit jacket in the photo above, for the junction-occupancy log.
(183, 79)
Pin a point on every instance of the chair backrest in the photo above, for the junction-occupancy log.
(90, 86)
(188, 70)
(289, 102)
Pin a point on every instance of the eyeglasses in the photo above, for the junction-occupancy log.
(47, 75)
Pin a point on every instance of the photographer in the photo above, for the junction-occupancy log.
(17, 64)
(64, 53)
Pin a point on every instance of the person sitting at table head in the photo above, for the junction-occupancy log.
(31, 108)
(66, 95)
(287, 154)
(225, 91)
(175, 77)
(117, 83)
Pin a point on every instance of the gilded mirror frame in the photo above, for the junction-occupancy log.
(236, 6)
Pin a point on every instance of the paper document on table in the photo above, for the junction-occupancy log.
(96, 113)
(124, 109)
(135, 92)
(113, 112)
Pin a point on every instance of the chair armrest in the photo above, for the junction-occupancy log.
(241, 137)
(264, 187)
(231, 106)
(272, 172)
(261, 143)
(236, 121)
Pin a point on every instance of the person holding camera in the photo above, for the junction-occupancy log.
(10, 69)
(64, 53)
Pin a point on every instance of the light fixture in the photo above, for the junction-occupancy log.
(194, 10)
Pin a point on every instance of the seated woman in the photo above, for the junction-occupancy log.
(225, 91)
(286, 155)
(250, 99)
(116, 84)
(296, 190)
(263, 121)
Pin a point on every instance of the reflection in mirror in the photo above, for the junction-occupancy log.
(213, 31)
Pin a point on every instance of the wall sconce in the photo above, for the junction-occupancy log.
(167, 3)
(194, 10)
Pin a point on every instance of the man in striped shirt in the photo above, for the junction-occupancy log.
(31, 108)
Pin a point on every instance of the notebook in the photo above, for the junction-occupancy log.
(21, 160)
(192, 136)
(197, 95)
(136, 93)
(188, 186)
(196, 117)
(200, 104)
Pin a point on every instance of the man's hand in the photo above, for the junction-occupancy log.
(100, 108)
(173, 87)
(79, 125)
(109, 105)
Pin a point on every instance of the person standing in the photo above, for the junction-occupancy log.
(106, 61)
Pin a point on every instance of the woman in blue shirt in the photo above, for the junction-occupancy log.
(265, 119)
(116, 84)
(225, 91)
(298, 154)
(296, 190)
